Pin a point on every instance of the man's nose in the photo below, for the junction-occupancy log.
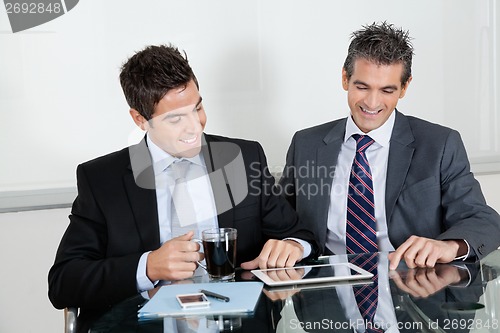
(372, 101)
(194, 124)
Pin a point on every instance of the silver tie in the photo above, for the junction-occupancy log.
(183, 215)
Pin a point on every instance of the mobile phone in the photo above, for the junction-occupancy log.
(195, 300)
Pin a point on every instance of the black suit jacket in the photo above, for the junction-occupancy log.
(430, 191)
(114, 219)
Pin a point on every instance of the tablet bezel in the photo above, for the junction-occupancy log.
(363, 274)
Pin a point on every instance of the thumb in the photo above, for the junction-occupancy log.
(250, 264)
(187, 236)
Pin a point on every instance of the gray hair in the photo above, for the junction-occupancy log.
(382, 44)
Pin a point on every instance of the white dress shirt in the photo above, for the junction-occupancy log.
(377, 155)
(198, 185)
(200, 190)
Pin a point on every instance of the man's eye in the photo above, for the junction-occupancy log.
(174, 120)
(361, 88)
(388, 91)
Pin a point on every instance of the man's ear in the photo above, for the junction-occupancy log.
(138, 119)
(345, 80)
(405, 87)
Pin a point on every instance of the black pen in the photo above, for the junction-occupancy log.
(215, 295)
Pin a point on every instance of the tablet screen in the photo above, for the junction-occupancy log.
(312, 274)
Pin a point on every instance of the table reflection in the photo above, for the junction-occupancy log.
(455, 297)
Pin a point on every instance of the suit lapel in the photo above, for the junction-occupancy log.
(327, 157)
(400, 155)
(140, 188)
(214, 162)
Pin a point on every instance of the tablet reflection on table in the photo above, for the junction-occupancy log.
(288, 274)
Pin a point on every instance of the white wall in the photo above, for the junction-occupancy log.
(28, 241)
(490, 185)
(266, 69)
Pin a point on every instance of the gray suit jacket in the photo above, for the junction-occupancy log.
(430, 191)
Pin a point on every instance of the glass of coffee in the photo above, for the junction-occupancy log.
(219, 245)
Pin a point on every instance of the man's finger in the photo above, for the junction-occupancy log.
(250, 264)
(395, 257)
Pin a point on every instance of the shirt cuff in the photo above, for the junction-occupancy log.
(465, 256)
(463, 283)
(307, 247)
(143, 282)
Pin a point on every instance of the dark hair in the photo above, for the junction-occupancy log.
(149, 74)
(382, 44)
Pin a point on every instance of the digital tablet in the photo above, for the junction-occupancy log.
(311, 274)
(321, 285)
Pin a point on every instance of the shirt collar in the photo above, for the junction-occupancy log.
(381, 135)
(162, 159)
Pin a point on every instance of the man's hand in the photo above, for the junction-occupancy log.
(279, 295)
(174, 260)
(426, 252)
(276, 253)
(423, 282)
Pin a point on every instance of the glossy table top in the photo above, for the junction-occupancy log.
(454, 297)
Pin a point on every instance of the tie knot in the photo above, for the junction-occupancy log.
(362, 142)
(180, 168)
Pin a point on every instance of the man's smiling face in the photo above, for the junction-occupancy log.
(178, 121)
(373, 91)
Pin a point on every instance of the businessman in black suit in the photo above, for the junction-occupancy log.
(120, 241)
(428, 206)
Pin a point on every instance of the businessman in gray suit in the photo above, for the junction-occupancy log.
(428, 207)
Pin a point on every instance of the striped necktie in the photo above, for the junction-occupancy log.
(367, 294)
(361, 229)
